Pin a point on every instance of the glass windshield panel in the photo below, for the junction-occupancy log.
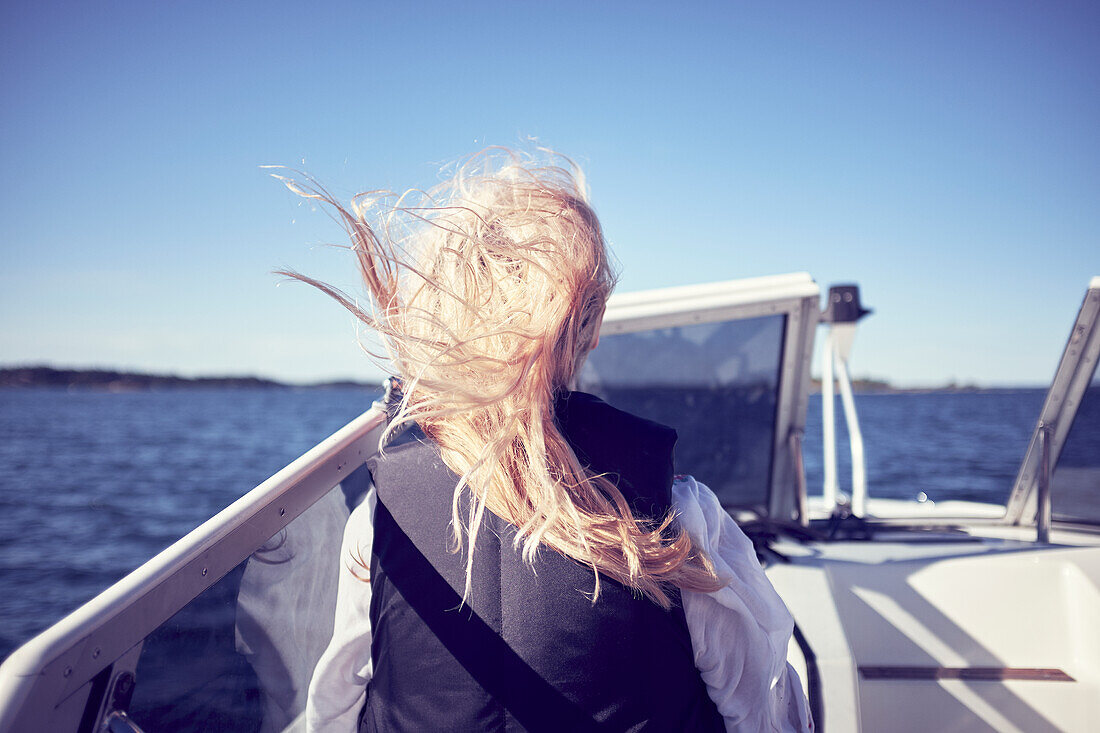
(1075, 490)
(240, 656)
(716, 383)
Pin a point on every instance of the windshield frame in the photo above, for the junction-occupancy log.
(1071, 379)
(795, 296)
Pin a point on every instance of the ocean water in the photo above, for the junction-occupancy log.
(92, 484)
(946, 445)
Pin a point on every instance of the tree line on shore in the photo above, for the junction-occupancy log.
(120, 381)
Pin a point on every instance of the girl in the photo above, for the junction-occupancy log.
(532, 565)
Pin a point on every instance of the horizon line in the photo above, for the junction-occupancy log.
(376, 381)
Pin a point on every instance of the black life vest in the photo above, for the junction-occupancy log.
(529, 650)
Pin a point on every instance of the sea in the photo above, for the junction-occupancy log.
(94, 483)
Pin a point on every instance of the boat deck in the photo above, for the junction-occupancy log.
(973, 627)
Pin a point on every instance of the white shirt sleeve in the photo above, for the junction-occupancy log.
(338, 688)
(739, 634)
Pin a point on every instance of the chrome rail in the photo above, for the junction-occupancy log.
(842, 312)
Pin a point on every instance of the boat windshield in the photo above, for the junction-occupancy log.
(240, 655)
(716, 383)
(1076, 479)
(1070, 422)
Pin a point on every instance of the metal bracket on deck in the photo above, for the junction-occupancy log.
(119, 722)
(795, 440)
(115, 720)
(1042, 514)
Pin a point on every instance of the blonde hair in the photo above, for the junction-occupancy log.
(488, 292)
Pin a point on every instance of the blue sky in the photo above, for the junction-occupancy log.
(946, 156)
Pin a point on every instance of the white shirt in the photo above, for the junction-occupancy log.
(739, 634)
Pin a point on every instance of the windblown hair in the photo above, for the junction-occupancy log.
(488, 292)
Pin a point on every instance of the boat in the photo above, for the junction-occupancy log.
(909, 615)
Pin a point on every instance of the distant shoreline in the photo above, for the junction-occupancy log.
(876, 386)
(108, 380)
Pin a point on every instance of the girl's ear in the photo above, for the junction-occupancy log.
(596, 333)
